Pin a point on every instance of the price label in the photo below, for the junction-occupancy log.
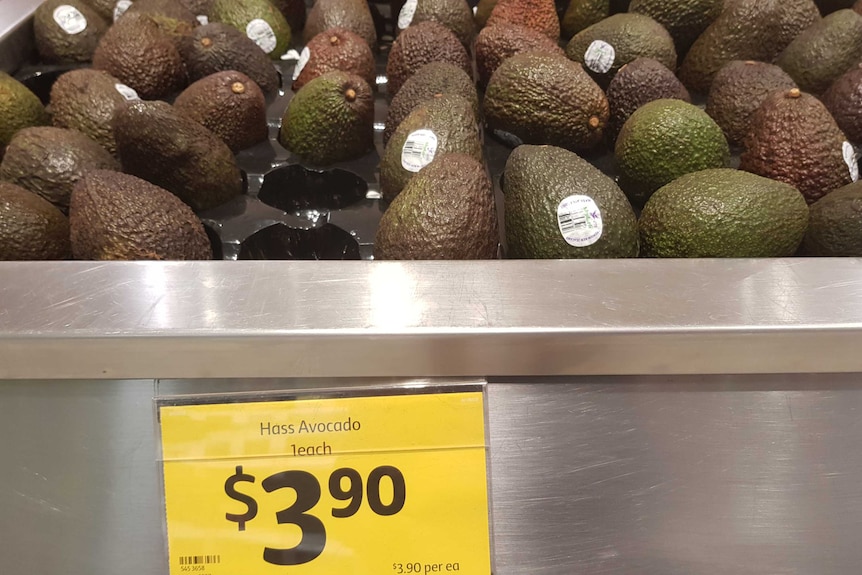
(362, 485)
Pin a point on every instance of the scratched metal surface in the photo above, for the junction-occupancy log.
(617, 476)
(391, 319)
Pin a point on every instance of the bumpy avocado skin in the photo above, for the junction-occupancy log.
(536, 180)
(30, 227)
(116, 216)
(454, 14)
(56, 45)
(745, 30)
(582, 14)
(452, 120)
(632, 36)
(546, 99)
(835, 227)
(823, 52)
(239, 13)
(137, 52)
(844, 101)
(501, 41)
(218, 47)
(160, 145)
(723, 213)
(540, 15)
(330, 119)
(19, 108)
(50, 161)
(638, 83)
(86, 100)
(738, 89)
(431, 79)
(685, 20)
(337, 49)
(419, 45)
(664, 140)
(794, 139)
(230, 105)
(351, 14)
(446, 212)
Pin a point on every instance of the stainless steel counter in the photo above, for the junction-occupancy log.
(376, 319)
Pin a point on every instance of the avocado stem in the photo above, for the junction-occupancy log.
(350, 94)
(333, 40)
(594, 122)
(794, 93)
(237, 88)
(206, 42)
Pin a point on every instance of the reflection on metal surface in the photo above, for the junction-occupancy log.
(615, 476)
(391, 319)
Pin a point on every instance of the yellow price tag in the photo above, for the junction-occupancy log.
(387, 484)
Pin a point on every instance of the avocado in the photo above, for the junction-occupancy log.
(844, 101)
(835, 224)
(540, 15)
(685, 20)
(199, 7)
(330, 119)
(49, 161)
(164, 147)
(137, 52)
(857, 7)
(445, 212)
(171, 16)
(738, 90)
(19, 108)
(260, 20)
(422, 44)
(546, 99)
(430, 80)
(116, 216)
(85, 100)
(581, 14)
(606, 47)
(558, 205)
(30, 227)
(794, 139)
(294, 12)
(444, 124)
(218, 47)
(723, 213)
(351, 14)
(453, 14)
(500, 41)
(638, 83)
(336, 49)
(663, 140)
(230, 105)
(67, 31)
(745, 30)
(483, 12)
(823, 52)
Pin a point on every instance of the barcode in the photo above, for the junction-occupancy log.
(415, 149)
(200, 559)
(572, 222)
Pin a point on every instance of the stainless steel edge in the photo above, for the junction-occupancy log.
(16, 35)
(390, 319)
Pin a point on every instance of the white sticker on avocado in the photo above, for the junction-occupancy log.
(127, 92)
(120, 8)
(202, 19)
(418, 150)
(851, 159)
(303, 60)
(405, 16)
(580, 221)
(70, 19)
(600, 57)
(261, 33)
